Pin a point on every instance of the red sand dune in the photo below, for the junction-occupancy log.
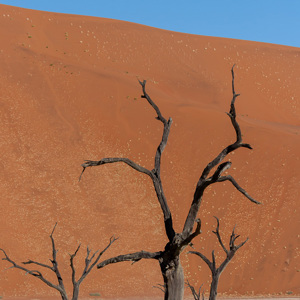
(69, 92)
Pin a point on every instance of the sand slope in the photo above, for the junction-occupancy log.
(69, 92)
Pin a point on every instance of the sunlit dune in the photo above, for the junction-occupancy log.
(69, 92)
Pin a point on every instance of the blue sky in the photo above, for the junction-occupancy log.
(270, 21)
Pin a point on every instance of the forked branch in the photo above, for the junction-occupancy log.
(60, 287)
(197, 295)
(153, 174)
(204, 181)
(188, 240)
(166, 131)
(229, 252)
(90, 262)
(237, 144)
(217, 233)
(216, 271)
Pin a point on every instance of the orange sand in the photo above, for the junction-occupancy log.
(69, 92)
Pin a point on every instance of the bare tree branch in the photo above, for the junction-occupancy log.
(60, 287)
(197, 231)
(216, 272)
(36, 274)
(90, 263)
(197, 296)
(161, 287)
(217, 233)
(155, 173)
(221, 168)
(203, 257)
(166, 131)
(54, 261)
(29, 261)
(157, 164)
(130, 257)
(146, 96)
(72, 256)
(232, 240)
(229, 253)
(235, 184)
(204, 182)
(103, 161)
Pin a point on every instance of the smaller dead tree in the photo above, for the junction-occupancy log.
(161, 287)
(197, 295)
(216, 272)
(91, 260)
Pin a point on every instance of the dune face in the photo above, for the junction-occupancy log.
(69, 92)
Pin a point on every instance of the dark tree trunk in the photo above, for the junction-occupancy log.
(214, 286)
(63, 296)
(173, 278)
(75, 292)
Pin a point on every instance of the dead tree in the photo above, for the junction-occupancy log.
(161, 287)
(90, 261)
(169, 257)
(216, 272)
(196, 296)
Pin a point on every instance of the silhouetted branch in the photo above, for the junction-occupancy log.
(29, 261)
(72, 256)
(217, 233)
(146, 96)
(134, 257)
(203, 257)
(221, 168)
(216, 272)
(197, 231)
(90, 262)
(155, 173)
(203, 181)
(197, 296)
(236, 185)
(60, 287)
(103, 161)
(161, 287)
(232, 240)
(54, 261)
